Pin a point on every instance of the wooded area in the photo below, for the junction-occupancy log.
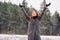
(12, 20)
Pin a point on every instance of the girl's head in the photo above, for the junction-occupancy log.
(34, 13)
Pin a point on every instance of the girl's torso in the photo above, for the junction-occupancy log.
(33, 25)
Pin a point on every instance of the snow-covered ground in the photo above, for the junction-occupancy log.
(24, 37)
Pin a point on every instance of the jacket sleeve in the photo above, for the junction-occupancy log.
(25, 14)
(44, 11)
(40, 17)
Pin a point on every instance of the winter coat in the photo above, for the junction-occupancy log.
(33, 25)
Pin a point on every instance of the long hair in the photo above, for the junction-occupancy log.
(33, 17)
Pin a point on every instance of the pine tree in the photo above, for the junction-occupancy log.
(56, 23)
(24, 22)
(46, 20)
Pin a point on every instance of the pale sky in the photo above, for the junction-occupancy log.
(55, 4)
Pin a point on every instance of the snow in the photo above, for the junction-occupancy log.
(25, 37)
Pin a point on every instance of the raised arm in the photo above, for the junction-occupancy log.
(24, 13)
(43, 11)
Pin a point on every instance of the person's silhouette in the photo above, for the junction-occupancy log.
(33, 23)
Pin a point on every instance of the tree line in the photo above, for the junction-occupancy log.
(13, 22)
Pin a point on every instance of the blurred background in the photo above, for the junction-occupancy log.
(13, 22)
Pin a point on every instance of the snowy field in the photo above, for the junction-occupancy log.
(24, 37)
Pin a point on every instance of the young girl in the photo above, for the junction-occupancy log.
(33, 23)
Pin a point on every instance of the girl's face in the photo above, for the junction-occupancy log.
(34, 13)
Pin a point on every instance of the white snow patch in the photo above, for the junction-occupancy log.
(25, 37)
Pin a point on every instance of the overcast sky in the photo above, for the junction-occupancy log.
(55, 4)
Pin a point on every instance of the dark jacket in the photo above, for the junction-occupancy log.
(33, 26)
